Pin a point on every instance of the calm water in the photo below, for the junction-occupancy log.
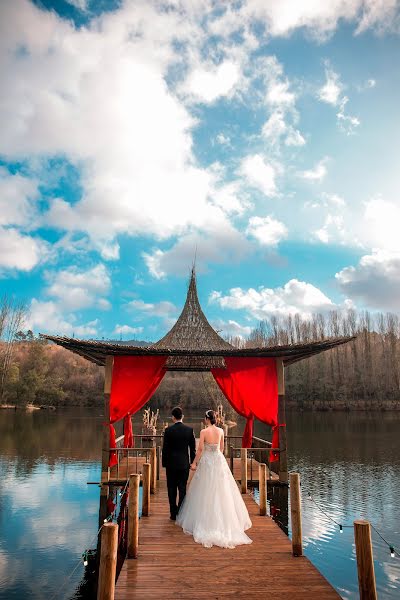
(48, 514)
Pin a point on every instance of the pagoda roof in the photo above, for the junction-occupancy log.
(192, 344)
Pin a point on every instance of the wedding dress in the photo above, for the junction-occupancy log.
(213, 510)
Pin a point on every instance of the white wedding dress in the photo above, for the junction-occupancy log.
(213, 510)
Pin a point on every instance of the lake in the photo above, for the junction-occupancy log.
(349, 463)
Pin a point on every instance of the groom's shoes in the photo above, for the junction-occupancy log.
(172, 518)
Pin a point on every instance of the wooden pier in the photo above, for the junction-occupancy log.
(171, 565)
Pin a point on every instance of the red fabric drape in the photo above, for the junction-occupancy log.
(113, 455)
(129, 441)
(134, 381)
(251, 387)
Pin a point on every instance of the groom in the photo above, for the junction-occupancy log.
(179, 440)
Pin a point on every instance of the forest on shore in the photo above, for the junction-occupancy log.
(363, 374)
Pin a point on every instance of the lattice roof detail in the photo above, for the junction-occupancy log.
(192, 331)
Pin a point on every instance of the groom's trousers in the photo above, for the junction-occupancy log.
(176, 483)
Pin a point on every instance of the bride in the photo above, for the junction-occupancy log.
(213, 510)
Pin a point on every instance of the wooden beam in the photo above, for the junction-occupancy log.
(283, 469)
(105, 471)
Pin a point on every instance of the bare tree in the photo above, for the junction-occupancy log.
(12, 317)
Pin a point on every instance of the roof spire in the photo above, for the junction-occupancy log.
(192, 331)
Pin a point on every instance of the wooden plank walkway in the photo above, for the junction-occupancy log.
(171, 565)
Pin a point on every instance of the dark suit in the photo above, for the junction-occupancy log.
(179, 440)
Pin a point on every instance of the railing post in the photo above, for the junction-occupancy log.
(153, 470)
(146, 489)
(226, 429)
(295, 512)
(365, 560)
(243, 456)
(133, 516)
(262, 486)
(231, 458)
(108, 561)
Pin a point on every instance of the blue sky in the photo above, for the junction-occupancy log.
(260, 135)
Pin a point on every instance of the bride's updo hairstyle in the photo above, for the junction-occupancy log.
(210, 415)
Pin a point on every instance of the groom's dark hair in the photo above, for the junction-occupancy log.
(177, 413)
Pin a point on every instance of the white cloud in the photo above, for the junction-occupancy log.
(221, 244)
(332, 229)
(223, 139)
(294, 297)
(127, 330)
(157, 309)
(98, 96)
(267, 230)
(46, 317)
(76, 289)
(347, 123)
(321, 19)
(19, 251)
(260, 174)
(18, 196)
(230, 198)
(375, 280)
(209, 84)
(278, 94)
(379, 225)
(232, 328)
(317, 173)
(276, 128)
(331, 91)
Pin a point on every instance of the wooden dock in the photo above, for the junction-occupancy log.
(171, 565)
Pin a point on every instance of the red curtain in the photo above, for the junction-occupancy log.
(134, 381)
(129, 441)
(251, 387)
(113, 455)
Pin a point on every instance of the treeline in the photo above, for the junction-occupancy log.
(45, 374)
(363, 374)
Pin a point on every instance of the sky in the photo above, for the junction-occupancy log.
(258, 138)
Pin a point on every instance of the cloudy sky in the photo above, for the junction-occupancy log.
(262, 136)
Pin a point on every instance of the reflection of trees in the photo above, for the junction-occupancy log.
(30, 437)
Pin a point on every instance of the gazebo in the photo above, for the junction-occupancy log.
(252, 379)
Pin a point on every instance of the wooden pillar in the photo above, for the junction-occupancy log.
(108, 562)
(243, 461)
(153, 470)
(283, 469)
(262, 482)
(133, 516)
(295, 513)
(105, 471)
(146, 489)
(365, 560)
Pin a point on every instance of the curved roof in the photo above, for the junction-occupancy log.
(192, 344)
